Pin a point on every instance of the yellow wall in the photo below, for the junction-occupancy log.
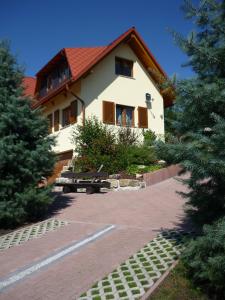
(102, 84)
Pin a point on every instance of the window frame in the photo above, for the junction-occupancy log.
(124, 123)
(122, 61)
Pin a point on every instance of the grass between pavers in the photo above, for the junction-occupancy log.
(136, 275)
(177, 286)
(22, 235)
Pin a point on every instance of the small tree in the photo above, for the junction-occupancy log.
(200, 123)
(25, 148)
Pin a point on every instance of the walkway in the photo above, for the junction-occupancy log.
(104, 230)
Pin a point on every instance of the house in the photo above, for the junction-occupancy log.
(117, 83)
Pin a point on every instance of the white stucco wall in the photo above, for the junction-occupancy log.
(103, 84)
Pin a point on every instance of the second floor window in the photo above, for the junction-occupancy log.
(124, 67)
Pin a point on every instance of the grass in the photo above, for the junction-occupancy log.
(177, 286)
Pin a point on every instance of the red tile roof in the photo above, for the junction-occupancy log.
(79, 58)
(82, 60)
(29, 84)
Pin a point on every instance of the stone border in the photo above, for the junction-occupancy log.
(27, 233)
(141, 272)
(161, 175)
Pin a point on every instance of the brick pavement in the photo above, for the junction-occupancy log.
(138, 216)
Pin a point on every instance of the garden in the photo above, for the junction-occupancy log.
(122, 151)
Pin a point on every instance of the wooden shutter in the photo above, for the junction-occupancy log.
(56, 120)
(73, 112)
(142, 117)
(49, 117)
(108, 112)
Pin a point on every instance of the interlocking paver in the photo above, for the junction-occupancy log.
(22, 235)
(137, 274)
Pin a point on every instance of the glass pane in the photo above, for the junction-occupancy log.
(127, 69)
(119, 115)
(129, 114)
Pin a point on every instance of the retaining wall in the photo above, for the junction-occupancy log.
(162, 174)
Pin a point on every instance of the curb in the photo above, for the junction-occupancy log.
(158, 282)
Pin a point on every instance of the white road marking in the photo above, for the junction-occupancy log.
(21, 274)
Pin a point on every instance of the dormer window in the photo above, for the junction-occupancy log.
(49, 83)
(56, 76)
(124, 67)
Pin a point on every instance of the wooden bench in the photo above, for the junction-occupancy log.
(92, 182)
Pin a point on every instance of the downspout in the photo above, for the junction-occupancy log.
(81, 100)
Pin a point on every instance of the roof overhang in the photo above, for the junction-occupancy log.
(134, 40)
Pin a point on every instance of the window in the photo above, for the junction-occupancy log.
(56, 76)
(66, 116)
(125, 116)
(69, 114)
(108, 112)
(49, 117)
(124, 67)
(142, 117)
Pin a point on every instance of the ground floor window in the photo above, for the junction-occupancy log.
(124, 115)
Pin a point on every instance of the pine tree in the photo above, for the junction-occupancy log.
(201, 121)
(25, 148)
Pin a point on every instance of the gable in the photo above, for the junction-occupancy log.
(82, 60)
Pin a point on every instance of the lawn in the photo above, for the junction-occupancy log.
(177, 286)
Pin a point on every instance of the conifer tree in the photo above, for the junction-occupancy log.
(25, 148)
(200, 124)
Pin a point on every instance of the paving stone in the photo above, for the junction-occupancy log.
(137, 274)
(22, 235)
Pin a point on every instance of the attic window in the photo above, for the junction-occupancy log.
(123, 67)
(54, 78)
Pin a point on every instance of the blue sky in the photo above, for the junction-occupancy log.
(38, 29)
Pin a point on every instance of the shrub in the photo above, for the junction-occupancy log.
(149, 137)
(127, 136)
(205, 259)
(141, 155)
(95, 145)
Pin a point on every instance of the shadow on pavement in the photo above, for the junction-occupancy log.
(61, 201)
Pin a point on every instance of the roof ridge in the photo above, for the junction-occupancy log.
(88, 47)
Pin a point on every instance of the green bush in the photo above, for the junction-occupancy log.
(205, 259)
(127, 136)
(141, 155)
(96, 144)
(149, 137)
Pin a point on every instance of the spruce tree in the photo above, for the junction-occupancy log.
(25, 148)
(200, 123)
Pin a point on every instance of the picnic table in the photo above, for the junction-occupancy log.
(91, 181)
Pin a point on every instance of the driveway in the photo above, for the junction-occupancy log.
(103, 231)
